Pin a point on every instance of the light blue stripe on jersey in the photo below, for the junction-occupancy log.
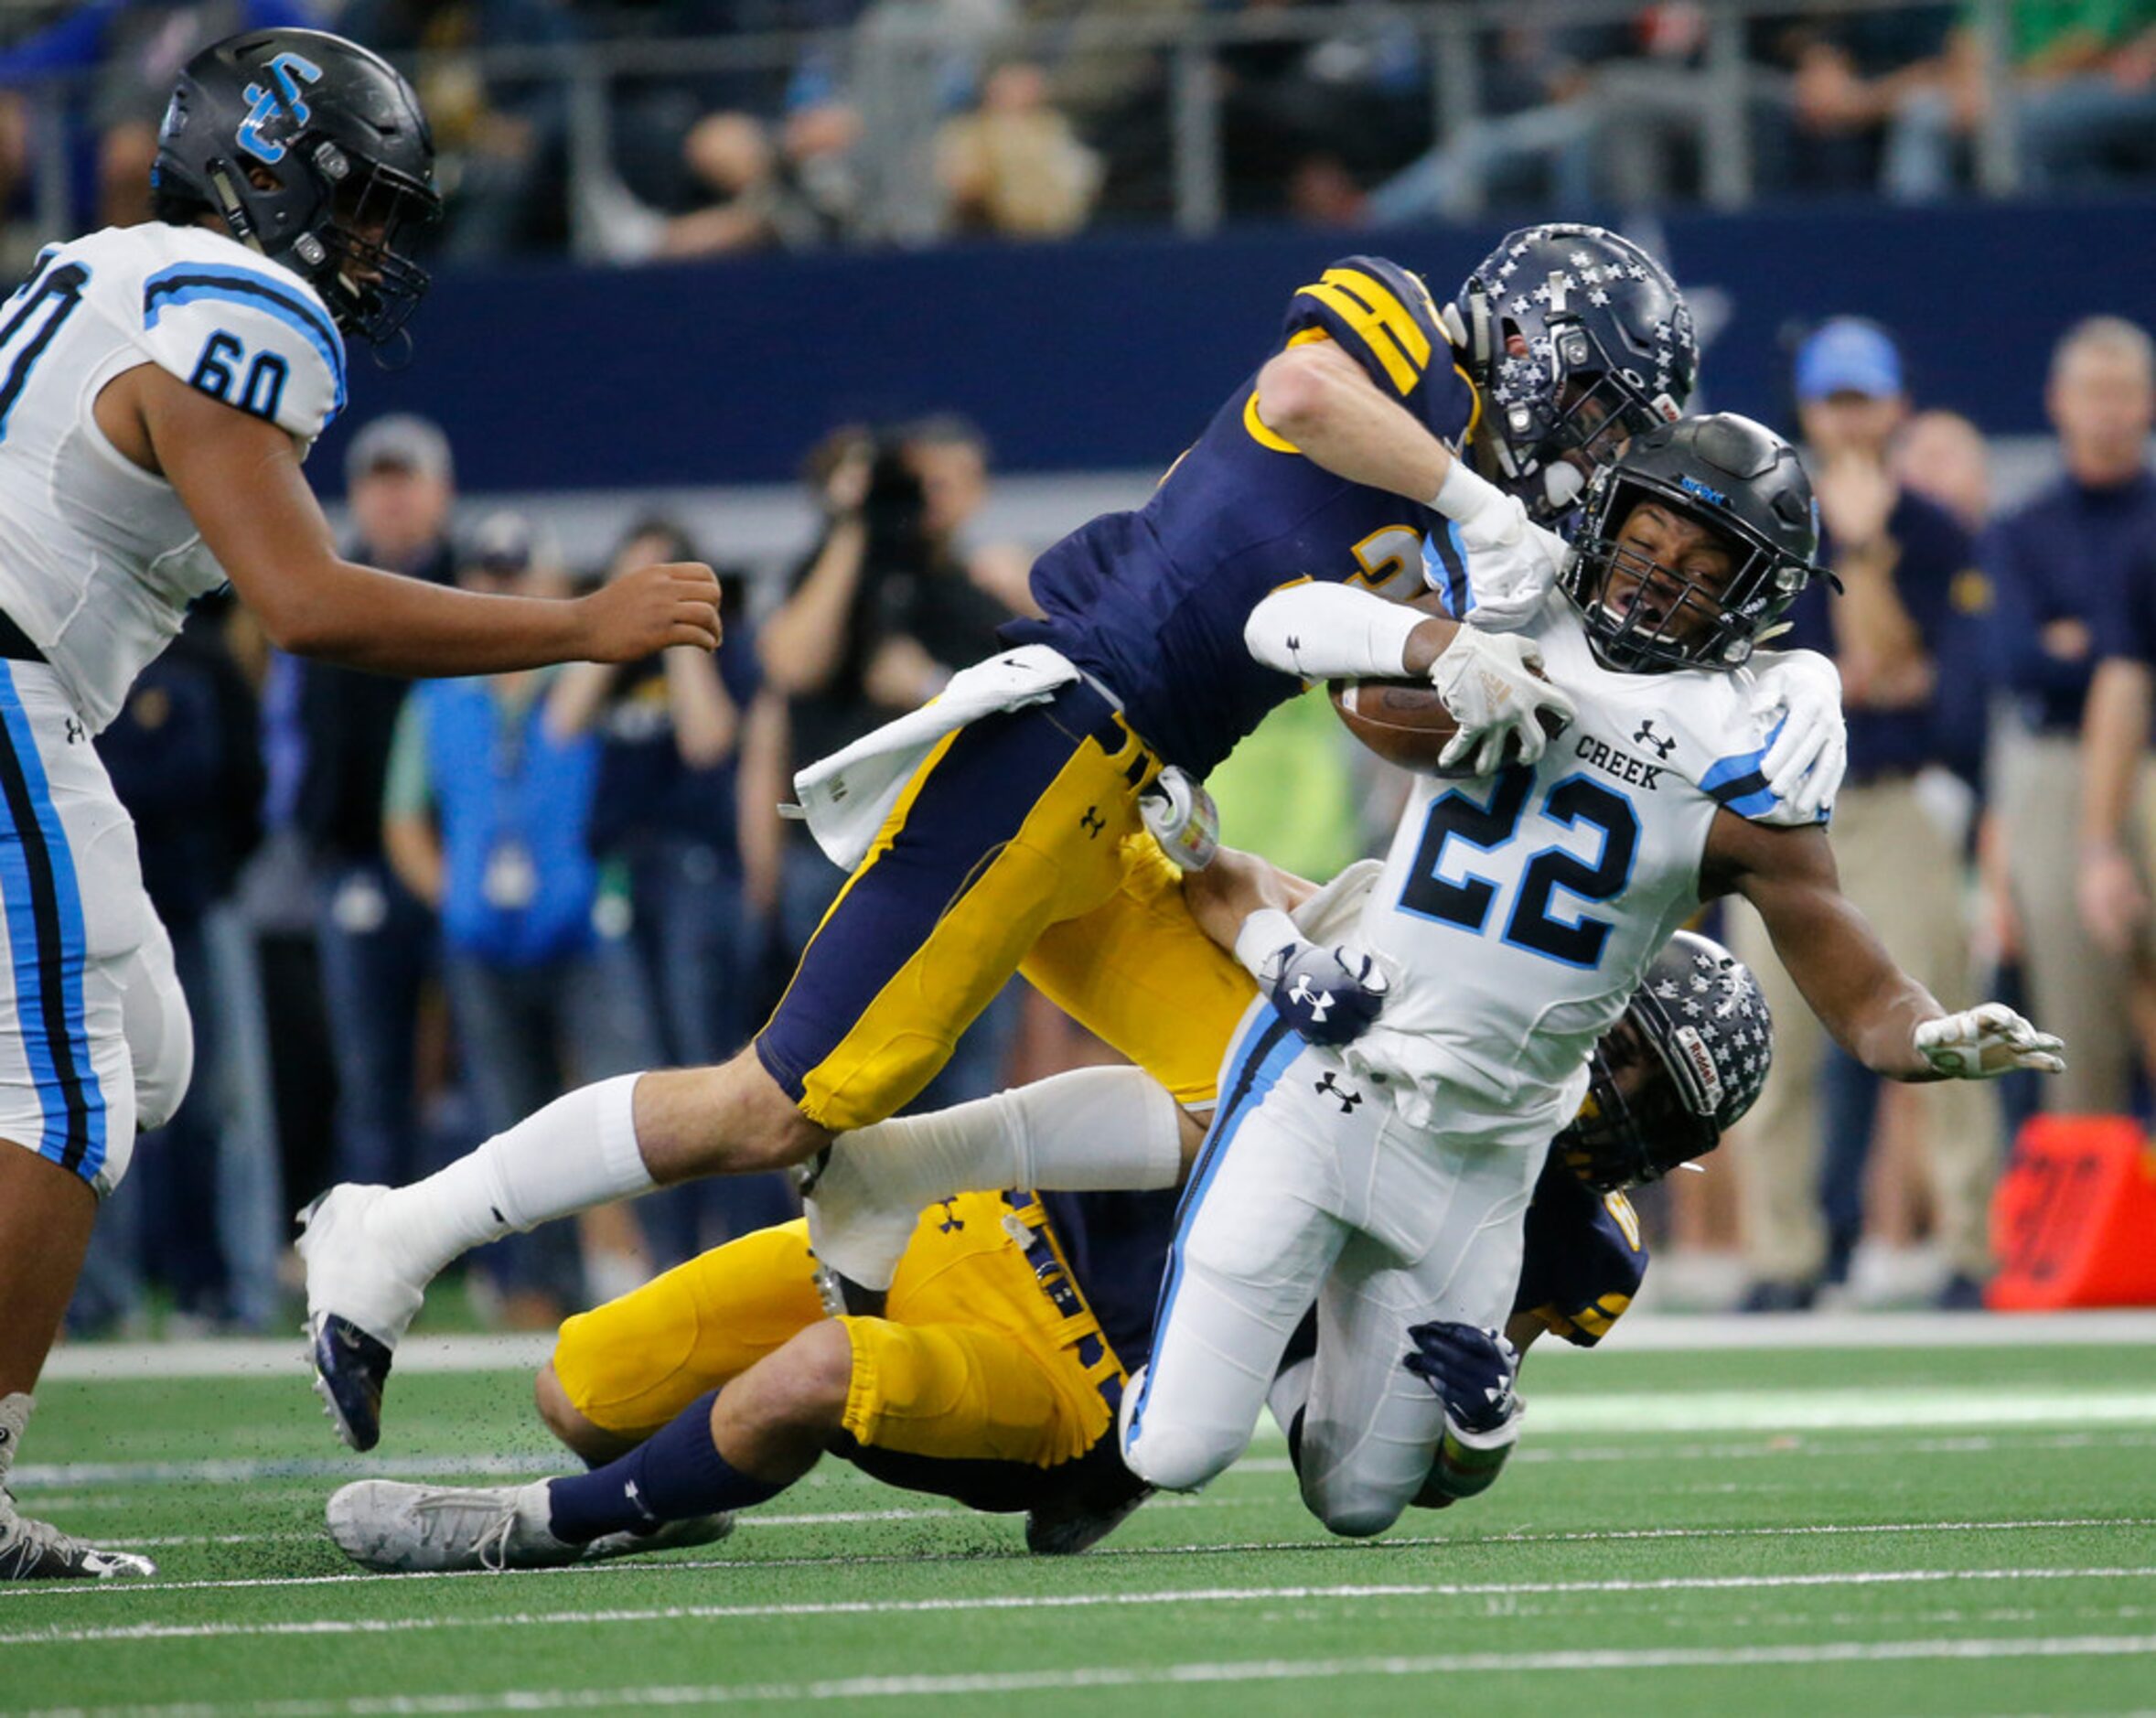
(1736, 783)
(184, 283)
(1244, 1088)
(36, 961)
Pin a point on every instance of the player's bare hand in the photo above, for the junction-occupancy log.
(2113, 904)
(676, 602)
(1856, 496)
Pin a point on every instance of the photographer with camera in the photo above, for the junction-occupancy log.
(890, 602)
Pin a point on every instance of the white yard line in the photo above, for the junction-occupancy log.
(274, 1357)
(286, 1357)
(1056, 1602)
(31, 1591)
(1662, 1414)
(299, 1471)
(1166, 1675)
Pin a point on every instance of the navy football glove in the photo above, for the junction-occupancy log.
(1330, 996)
(1471, 1370)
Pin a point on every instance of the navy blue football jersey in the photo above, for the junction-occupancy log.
(1152, 603)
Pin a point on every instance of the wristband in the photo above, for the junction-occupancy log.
(1264, 934)
(1464, 492)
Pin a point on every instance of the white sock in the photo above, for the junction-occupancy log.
(1092, 1129)
(578, 1152)
(15, 1414)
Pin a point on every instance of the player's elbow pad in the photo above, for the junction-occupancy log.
(1328, 631)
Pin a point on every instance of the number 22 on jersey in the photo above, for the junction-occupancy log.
(1494, 825)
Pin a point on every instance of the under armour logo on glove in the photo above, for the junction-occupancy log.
(1471, 1370)
(1329, 995)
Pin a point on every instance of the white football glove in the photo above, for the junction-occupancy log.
(1984, 1042)
(1512, 563)
(1803, 765)
(1491, 685)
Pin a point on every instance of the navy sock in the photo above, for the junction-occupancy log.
(675, 1473)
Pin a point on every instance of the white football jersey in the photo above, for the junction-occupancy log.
(1516, 915)
(98, 559)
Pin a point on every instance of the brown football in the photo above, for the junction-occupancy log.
(1406, 723)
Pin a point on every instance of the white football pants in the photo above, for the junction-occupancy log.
(95, 1040)
(1311, 1186)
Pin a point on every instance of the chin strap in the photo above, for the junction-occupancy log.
(234, 211)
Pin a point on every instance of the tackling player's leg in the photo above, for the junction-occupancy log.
(1014, 823)
(722, 1382)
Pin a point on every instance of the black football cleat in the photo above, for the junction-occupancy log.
(1066, 1528)
(1097, 1494)
(351, 1370)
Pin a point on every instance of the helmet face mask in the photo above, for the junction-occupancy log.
(1579, 340)
(314, 152)
(1733, 479)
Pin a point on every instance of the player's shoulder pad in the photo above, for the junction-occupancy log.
(1734, 742)
(1381, 314)
(242, 328)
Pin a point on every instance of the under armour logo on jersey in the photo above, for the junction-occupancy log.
(288, 71)
(1647, 737)
(1329, 1088)
(1092, 822)
(952, 1219)
(77, 732)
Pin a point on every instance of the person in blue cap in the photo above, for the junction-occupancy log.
(1896, 629)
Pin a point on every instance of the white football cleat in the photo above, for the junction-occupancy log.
(358, 1310)
(398, 1528)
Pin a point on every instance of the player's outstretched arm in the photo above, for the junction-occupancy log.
(1330, 996)
(1236, 885)
(240, 478)
(1323, 402)
(1876, 1011)
(1492, 683)
(1318, 397)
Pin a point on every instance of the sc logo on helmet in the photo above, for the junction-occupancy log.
(289, 71)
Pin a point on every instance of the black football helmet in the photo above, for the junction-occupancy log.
(1699, 1026)
(1747, 484)
(338, 134)
(1611, 353)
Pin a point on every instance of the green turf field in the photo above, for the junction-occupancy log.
(1929, 1529)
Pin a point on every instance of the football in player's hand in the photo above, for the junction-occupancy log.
(1406, 723)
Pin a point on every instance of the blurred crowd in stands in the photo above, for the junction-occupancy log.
(702, 126)
(406, 916)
